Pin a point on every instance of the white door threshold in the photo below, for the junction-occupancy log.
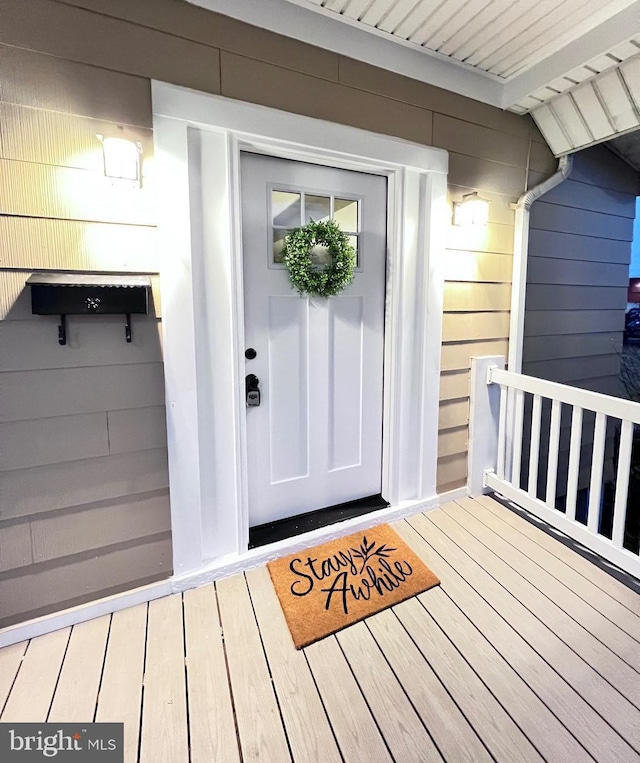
(231, 564)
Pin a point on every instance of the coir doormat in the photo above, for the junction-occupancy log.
(325, 588)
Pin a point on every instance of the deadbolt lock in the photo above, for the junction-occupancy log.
(252, 390)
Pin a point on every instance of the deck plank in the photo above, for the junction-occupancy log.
(212, 730)
(76, 694)
(492, 724)
(573, 593)
(398, 721)
(450, 730)
(596, 577)
(32, 692)
(164, 708)
(487, 667)
(560, 696)
(479, 632)
(358, 737)
(605, 681)
(627, 621)
(10, 662)
(262, 735)
(120, 695)
(497, 558)
(305, 720)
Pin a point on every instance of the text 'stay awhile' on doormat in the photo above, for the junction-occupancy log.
(325, 588)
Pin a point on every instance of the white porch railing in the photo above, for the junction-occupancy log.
(500, 446)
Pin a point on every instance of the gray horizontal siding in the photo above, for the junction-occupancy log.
(110, 44)
(137, 429)
(551, 270)
(543, 348)
(33, 190)
(596, 198)
(577, 277)
(570, 297)
(61, 474)
(69, 391)
(59, 244)
(30, 491)
(485, 174)
(32, 345)
(607, 385)
(577, 246)
(561, 322)
(82, 578)
(84, 508)
(565, 370)
(599, 167)
(563, 219)
(454, 384)
(463, 137)
(36, 442)
(15, 549)
(64, 533)
(456, 356)
(57, 84)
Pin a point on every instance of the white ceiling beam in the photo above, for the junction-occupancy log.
(595, 42)
(313, 24)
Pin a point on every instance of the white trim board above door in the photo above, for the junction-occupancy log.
(198, 139)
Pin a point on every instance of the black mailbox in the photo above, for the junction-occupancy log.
(79, 294)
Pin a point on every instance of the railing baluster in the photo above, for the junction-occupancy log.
(597, 463)
(502, 427)
(545, 434)
(534, 451)
(554, 446)
(574, 461)
(622, 483)
(518, 421)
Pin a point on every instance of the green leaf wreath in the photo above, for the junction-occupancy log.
(307, 278)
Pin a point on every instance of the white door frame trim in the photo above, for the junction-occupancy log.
(198, 138)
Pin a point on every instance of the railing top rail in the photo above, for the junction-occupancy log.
(590, 401)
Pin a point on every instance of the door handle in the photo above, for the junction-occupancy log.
(252, 390)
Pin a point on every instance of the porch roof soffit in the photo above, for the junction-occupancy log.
(575, 67)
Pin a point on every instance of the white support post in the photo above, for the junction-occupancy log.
(484, 416)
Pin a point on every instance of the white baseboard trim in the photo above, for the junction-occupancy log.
(13, 634)
(235, 563)
(452, 495)
(220, 568)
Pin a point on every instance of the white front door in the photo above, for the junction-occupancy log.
(315, 440)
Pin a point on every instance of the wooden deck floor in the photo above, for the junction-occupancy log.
(527, 652)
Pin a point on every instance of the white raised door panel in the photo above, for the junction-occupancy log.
(316, 438)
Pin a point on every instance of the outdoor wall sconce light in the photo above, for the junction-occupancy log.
(472, 210)
(79, 294)
(121, 158)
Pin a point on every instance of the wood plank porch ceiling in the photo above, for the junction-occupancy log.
(500, 37)
(527, 652)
